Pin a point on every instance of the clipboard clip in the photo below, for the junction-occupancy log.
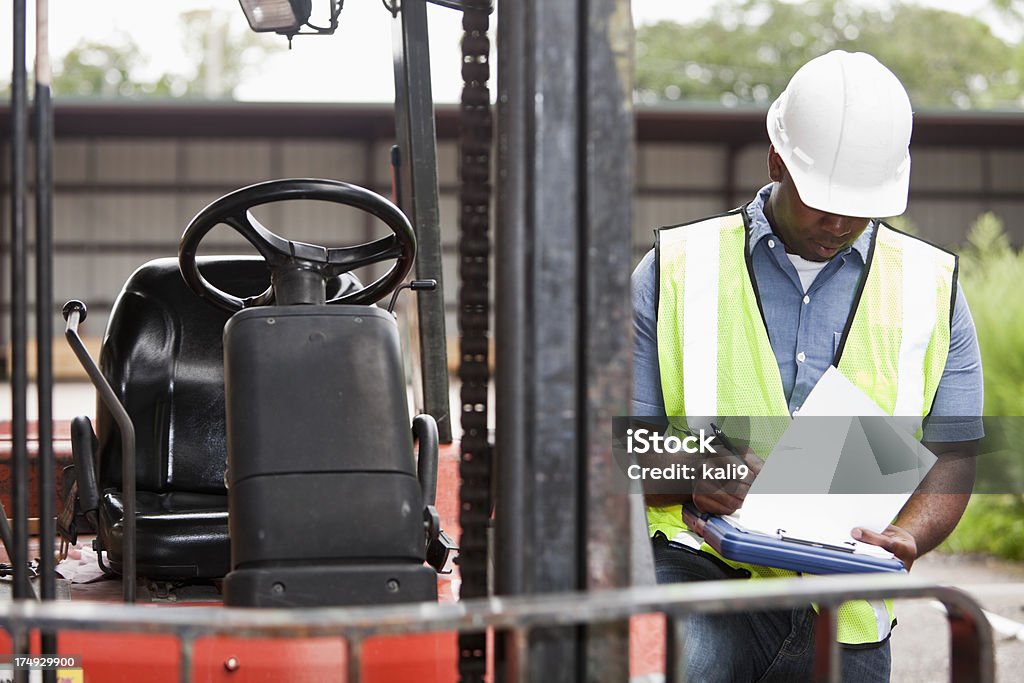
(814, 544)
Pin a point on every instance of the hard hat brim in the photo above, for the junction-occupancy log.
(883, 200)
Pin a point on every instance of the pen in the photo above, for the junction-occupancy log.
(724, 440)
(727, 442)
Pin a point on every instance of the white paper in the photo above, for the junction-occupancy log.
(80, 566)
(826, 445)
(836, 396)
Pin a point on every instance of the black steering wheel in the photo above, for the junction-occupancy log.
(284, 256)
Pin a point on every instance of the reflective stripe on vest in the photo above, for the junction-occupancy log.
(894, 348)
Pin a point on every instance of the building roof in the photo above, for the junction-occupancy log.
(682, 124)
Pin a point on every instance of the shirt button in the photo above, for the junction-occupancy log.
(807, 299)
(801, 356)
(771, 244)
(796, 412)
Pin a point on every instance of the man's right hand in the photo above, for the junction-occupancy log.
(724, 497)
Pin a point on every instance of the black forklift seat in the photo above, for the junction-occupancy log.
(163, 356)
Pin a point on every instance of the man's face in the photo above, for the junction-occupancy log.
(815, 235)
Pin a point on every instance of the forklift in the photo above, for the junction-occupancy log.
(275, 380)
(301, 358)
(252, 428)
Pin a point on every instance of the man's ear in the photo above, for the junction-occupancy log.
(776, 167)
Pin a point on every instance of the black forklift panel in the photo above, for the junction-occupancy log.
(325, 504)
(316, 389)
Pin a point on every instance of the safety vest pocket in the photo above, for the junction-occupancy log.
(719, 569)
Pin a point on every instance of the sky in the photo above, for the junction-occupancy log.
(354, 65)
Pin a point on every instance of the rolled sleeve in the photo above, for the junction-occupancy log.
(960, 397)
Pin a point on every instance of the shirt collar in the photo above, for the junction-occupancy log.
(759, 227)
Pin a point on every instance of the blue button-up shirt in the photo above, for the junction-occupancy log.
(805, 329)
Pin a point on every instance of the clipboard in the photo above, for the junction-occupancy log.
(782, 552)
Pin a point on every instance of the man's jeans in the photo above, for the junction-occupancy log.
(756, 646)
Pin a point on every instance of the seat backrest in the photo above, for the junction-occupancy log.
(163, 354)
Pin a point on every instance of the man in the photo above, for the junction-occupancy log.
(741, 314)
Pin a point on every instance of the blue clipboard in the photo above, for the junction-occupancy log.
(794, 554)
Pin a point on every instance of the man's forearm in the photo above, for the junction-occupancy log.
(934, 510)
(931, 517)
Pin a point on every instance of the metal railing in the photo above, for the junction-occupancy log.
(972, 655)
(74, 313)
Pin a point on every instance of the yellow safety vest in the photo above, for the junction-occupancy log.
(894, 349)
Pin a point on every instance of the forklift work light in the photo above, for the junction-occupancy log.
(282, 16)
(289, 17)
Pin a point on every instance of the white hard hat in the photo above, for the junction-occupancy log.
(842, 126)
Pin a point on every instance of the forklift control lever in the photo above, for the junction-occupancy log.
(416, 286)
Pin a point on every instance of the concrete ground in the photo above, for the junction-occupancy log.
(920, 642)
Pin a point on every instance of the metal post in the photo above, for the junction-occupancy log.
(539, 259)
(537, 306)
(565, 150)
(19, 645)
(970, 647)
(675, 637)
(826, 647)
(517, 651)
(74, 312)
(510, 472)
(19, 308)
(44, 319)
(6, 535)
(605, 237)
(417, 142)
(354, 655)
(510, 298)
(186, 652)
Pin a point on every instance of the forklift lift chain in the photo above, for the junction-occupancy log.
(473, 315)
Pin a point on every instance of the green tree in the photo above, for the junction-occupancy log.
(218, 54)
(106, 70)
(226, 49)
(1009, 11)
(745, 52)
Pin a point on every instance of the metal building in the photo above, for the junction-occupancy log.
(130, 175)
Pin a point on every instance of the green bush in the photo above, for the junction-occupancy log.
(991, 275)
(993, 524)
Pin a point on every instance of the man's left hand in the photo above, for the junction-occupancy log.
(896, 540)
